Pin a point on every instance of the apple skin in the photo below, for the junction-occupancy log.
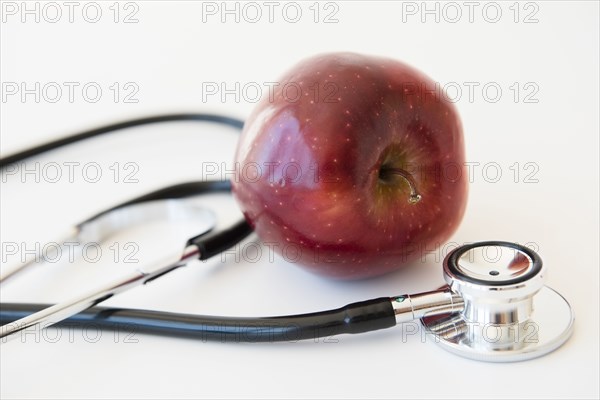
(313, 166)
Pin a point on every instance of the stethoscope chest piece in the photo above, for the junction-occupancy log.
(508, 314)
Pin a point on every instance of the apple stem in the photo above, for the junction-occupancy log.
(414, 197)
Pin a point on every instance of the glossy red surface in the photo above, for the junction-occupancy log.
(312, 161)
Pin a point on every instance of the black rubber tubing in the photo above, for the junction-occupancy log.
(354, 318)
(33, 151)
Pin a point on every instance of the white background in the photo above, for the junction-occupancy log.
(168, 55)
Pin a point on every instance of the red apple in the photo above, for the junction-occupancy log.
(353, 166)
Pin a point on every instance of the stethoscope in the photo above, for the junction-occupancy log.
(495, 306)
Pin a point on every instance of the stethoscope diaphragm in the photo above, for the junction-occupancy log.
(508, 313)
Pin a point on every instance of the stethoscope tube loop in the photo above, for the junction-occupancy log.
(107, 222)
(505, 294)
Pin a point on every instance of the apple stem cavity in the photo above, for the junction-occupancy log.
(414, 197)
